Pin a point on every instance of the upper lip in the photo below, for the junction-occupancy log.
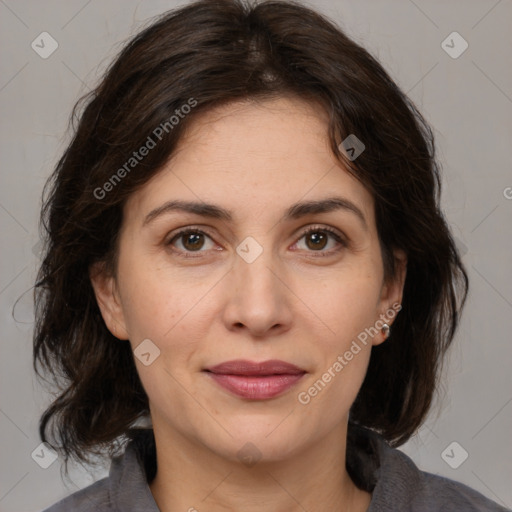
(244, 367)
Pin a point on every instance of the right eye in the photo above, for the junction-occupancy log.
(191, 240)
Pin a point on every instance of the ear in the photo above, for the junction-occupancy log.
(391, 294)
(108, 300)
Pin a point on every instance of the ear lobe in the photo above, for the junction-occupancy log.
(105, 290)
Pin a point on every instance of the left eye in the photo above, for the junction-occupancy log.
(316, 240)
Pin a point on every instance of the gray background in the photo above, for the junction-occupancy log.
(466, 99)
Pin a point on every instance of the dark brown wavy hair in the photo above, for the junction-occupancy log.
(213, 52)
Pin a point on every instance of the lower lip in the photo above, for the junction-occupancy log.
(256, 387)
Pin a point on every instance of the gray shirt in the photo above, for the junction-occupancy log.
(391, 476)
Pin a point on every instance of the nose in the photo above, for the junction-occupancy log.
(258, 299)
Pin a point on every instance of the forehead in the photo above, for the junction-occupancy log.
(253, 157)
(247, 132)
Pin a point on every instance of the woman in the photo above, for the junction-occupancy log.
(245, 247)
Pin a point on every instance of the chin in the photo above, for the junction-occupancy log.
(263, 439)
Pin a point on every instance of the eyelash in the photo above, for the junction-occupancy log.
(313, 229)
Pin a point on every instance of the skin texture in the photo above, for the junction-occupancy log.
(255, 159)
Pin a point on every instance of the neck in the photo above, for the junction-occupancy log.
(193, 478)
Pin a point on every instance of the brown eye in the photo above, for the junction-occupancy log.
(190, 240)
(193, 241)
(316, 240)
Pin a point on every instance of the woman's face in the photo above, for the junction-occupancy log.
(251, 284)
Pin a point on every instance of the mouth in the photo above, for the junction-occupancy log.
(256, 381)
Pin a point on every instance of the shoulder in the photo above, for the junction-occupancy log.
(444, 491)
(125, 489)
(402, 486)
(95, 497)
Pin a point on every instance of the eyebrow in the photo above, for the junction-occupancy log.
(296, 211)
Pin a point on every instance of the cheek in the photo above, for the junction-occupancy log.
(346, 304)
(153, 300)
(347, 307)
(168, 311)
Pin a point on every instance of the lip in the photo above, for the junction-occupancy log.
(256, 380)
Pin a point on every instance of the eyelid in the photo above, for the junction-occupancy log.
(320, 227)
(186, 229)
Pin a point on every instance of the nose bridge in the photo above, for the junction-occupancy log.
(253, 268)
(257, 296)
(258, 275)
